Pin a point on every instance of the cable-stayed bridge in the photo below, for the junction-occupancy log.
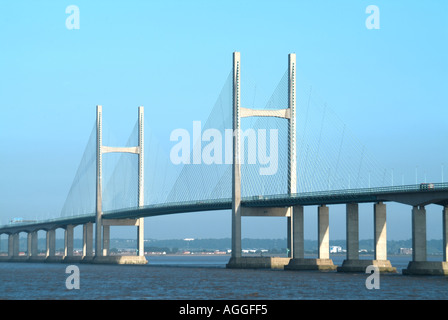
(273, 161)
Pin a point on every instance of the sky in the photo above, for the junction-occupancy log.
(173, 57)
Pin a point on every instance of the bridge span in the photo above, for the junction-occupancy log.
(275, 205)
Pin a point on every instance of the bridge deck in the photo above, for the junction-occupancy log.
(412, 195)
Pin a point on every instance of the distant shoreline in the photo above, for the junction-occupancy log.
(222, 246)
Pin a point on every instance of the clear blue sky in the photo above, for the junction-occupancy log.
(388, 85)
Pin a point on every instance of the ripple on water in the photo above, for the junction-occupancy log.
(47, 281)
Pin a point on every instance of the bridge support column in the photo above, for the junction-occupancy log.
(119, 259)
(1, 244)
(141, 238)
(419, 265)
(10, 245)
(380, 231)
(34, 243)
(289, 237)
(352, 230)
(238, 261)
(353, 263)
(68, 245)
(15, 246)
(445, 233)
(380, 234)
(33, 249)
(51, 246)
(418, 233)
(68, 241)
(16, 249)
(4, 257)
(298, 240)
(28, 244)
(87, 241)
(323, 262)
(323, 232)
(106, 240)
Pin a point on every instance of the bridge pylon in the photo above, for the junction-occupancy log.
(102, 226)
(289, 113)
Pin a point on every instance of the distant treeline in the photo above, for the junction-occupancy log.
(272, 245)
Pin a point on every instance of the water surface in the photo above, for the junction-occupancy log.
(205, 277)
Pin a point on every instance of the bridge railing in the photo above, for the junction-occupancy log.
(423, 187)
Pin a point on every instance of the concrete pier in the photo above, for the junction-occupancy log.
(28, 244)
(353, 263)
(37, 259)
(13, 249)
(380, 233)
(445, 233)
(15, 245)
(68, 255)
(311, 264)
(419, 264)
(10, 245)
(380, 239)
(106, 240)
(51, 247)
(118, 260)
(87, 240)
(32, 248)
(418, 233)
(352, 231)
(51, 243)
(34, 241)
(323, 262)
(257, 263)
(141, 237)
(68, 241)
(433, 268)
(323, 232)
(298, 241)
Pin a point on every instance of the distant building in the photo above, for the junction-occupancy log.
(405, 251)
(249, 251)
(335, 249)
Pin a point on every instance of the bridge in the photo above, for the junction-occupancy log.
(239, 185)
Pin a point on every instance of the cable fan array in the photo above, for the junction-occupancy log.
(329, 157)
